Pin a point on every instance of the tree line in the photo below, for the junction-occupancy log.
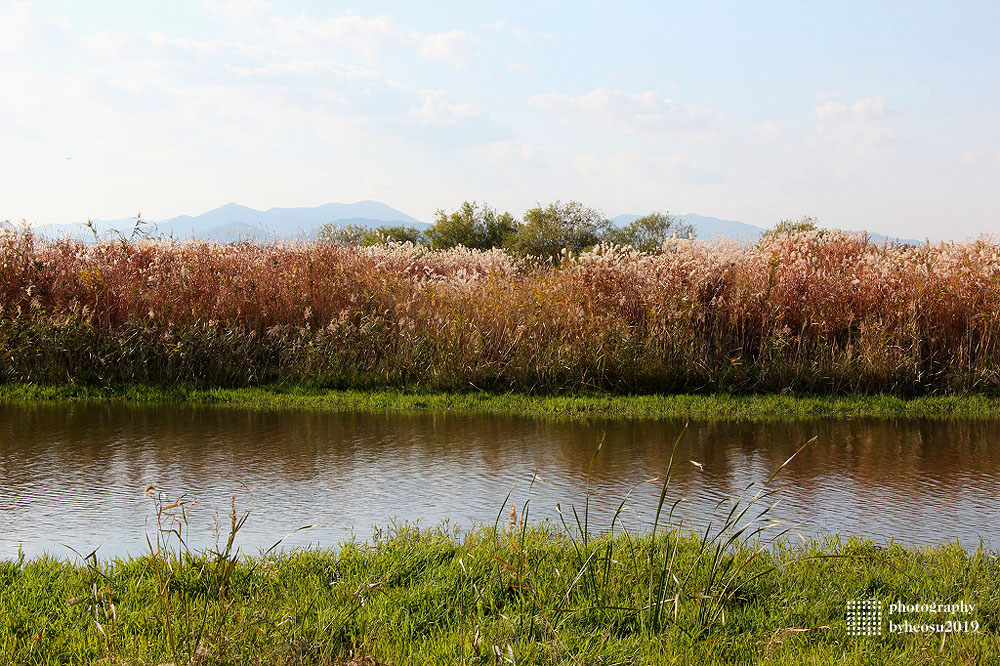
(543, 231)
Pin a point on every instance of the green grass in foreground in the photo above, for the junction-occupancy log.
(531, 596)
(699, 407)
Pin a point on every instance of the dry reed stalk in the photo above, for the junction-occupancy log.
(815, 311)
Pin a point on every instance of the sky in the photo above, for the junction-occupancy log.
(866, 115)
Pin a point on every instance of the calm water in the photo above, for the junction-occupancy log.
(74, 475)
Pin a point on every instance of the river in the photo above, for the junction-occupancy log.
(76, 477)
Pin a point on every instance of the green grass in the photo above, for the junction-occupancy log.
(532, 596)
(710, 407)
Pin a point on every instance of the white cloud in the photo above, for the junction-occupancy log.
(644, 170)
(283, 70)
(370, 36)
(118, 93)
(517, 153)
(348, 32)
(860, 109)
(15, 27)
(518, 66)
(649, 166)
(520, 33)
(320, 107)
(647, 112)
(439, 107)
(455, 46)
(238, 10)
(769, 131)
(121, 47)
(853, 136)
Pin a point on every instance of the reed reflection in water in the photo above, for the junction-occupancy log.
(75, 474)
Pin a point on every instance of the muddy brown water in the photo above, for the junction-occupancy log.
(73, 476)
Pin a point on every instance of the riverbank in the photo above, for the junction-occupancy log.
(527, 596)
(710, 407)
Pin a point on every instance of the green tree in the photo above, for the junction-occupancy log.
(351, 234)
(386, 234)
(805, 223)
(546, 231)
(473, 225)
(354, 234)
(649, 232)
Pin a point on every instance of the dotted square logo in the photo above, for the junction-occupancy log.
(864, 617)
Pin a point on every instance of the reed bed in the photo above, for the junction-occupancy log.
(818, 311)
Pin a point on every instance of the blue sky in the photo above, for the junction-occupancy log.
(866, 115)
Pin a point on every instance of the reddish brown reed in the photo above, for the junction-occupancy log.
(817, 311)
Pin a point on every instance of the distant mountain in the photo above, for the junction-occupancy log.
(878, 239)
(707, 228)
(236, 222)
(282, 222)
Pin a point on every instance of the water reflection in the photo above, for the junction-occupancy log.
(74, 474)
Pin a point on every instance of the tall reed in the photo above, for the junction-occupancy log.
(814, 311)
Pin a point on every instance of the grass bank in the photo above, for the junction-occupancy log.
(527, 596)
(714, 407)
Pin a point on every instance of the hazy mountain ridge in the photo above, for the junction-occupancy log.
(237, 222)
(707, 228)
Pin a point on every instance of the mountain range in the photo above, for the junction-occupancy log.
(708, 227)
(235, 222)
(740, 232)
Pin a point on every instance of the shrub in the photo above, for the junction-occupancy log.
(473, 225)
